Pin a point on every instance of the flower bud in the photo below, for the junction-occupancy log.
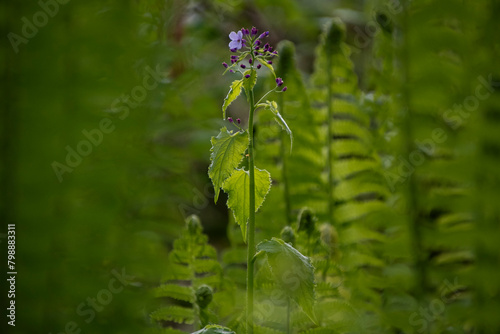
(193, 224)
(306, 221)
(288, 235)
(204, 296)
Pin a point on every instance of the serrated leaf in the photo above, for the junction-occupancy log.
(263, 62)
(238, 189)
(227, 153)
(214, 329)
(292, 271)
(249, 83)
(184, 293)
(234, 92)
(174, 313)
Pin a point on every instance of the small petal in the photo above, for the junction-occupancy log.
(284, 89)
(259, 66)
(243, 66)
(230, 120)
(270, 62)
(233, 36)
(224, 64)
(235, 45)
(254, 31)
(250, 61)
(247, 76)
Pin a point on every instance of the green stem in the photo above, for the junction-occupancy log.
(284, 171)
(251, 221)
(412, 190)
(330, 139)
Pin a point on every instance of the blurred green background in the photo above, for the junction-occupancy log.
(122, 204)
(143, 80)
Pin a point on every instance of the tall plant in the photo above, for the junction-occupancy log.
(248, 188)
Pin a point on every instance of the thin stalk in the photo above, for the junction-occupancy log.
(284, 170)
(411, 192)
(251, 221)
(330, 139)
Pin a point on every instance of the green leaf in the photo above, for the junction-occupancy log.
(249, 83)
(263, 62)
(234, 92)
(214, 329)
(293, 272)
(273, 106)
(227, 152)
(238, 189)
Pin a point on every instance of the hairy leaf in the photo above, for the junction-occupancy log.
(238, 189)
(273, 106)
(234, 92)
(249, 83)
(293, 271)
(227, 153)
(263, 62)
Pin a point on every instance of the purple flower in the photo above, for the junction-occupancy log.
(236, 40)
(247, 76)
(257, 42)
(234, 57)
(230, 120)
(270, 62)
(238, 120)
(243, 66)
(284, 89)
(266, 47)
(250, 61)
(279, 81)
(259, 66)
(245, 31)
(233, 50)
(224, 64)
(232, 71)
(254, 31)
(233, 61)
(264, 34)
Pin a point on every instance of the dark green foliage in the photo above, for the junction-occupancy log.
(390, 190)
(194, 273)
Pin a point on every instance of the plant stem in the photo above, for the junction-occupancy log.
(330, 139)
(284, 170)
(251, 221)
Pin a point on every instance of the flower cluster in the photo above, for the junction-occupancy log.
(248, 44)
